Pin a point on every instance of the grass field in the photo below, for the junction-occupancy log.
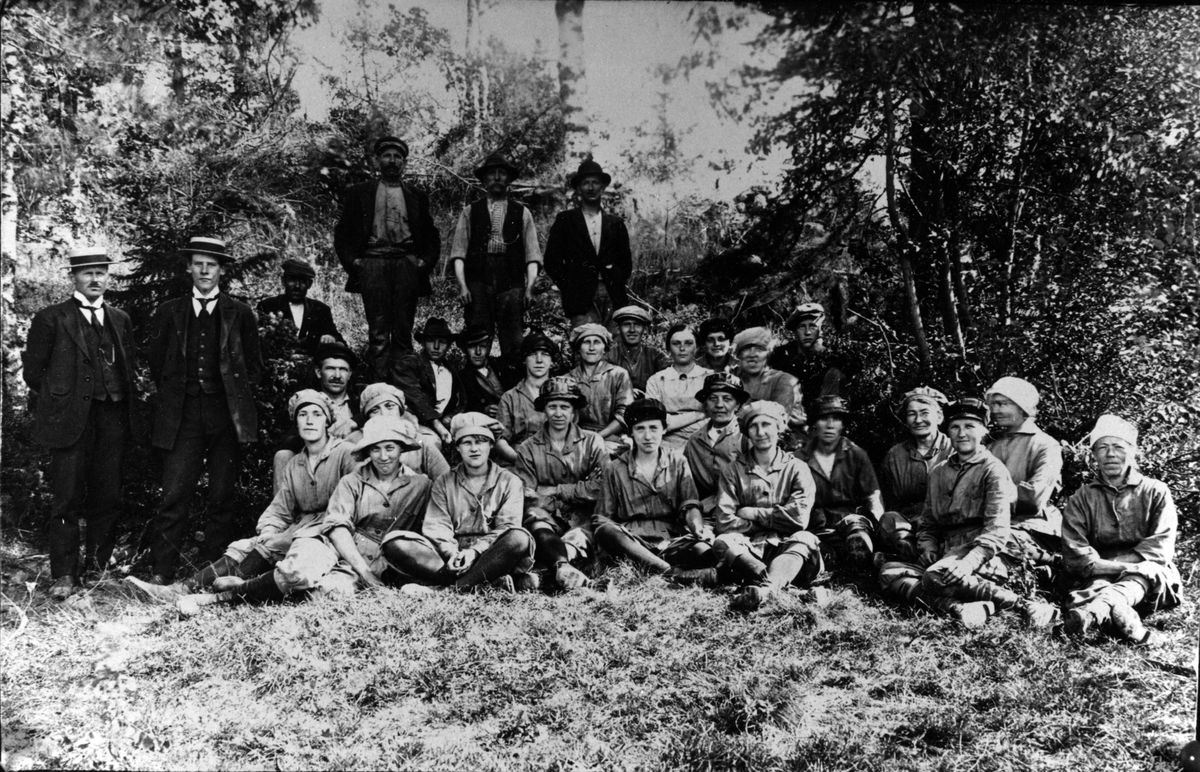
(637, 676)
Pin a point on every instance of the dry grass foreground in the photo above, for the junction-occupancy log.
(638, 676)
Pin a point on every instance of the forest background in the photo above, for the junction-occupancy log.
(970, 192)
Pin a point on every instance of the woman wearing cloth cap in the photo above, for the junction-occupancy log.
(472, 532)
(606, 387)
(306, 482)
(481, 386)
(630, 351)
(560, 467)
(676, 387)
(1119, 535)
(518, 417)
(963, 532)
(848, 503)
(763, 504)
(753, 347)
(719, 439)
(384, 399)
(715, 338)
(1034, 459)
(649, 511)
(905, 471)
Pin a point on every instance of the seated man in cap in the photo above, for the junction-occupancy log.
(311, 321)
(820, 372)
(560, 467)
(433, 389)
(496, 257)
(752, 347)
(630, 351)
(716, 343)
(384, 400)
(305, 484)
(518, 417)
(481, 387)
(906, 467)
(605, 387)
(334, 367)
(472, 533)
(963, 534)
(848, 503)
(1119, 534)
(1034, 459)
(676, 387)
(764, 500)
(649, 510)
(344, 549)
(718, 440)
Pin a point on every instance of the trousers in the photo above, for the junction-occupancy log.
(389, 295)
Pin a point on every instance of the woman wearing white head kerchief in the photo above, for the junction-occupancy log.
(1119, 539)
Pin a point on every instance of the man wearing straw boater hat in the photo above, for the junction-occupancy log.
(78, 363)
(496, 258)
(388, 244)
(205, 361)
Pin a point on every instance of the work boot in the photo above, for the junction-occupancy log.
(527, 582)
(62, 588)
(696, 577)
(228, 584)
(972, 614)
(751, 598)
(1079, 620)
(1040, 616)
(818, 595)
(191, 605)
(1128, 623)
(505, 584)
(568, 577)
(168, 593)
(859, 548)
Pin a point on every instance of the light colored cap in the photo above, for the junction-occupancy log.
(1020, 391)
(474, 425)
(310, 397)
(380, 392)
(636, 313)
(387, 429)
(761, 407)
(754, 336)
(591, 328)
(1109, 425)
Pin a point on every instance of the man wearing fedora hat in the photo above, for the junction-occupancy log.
(79, 366)
(587, 252)
(386, 240)
(310, 320)
(496, 257)
(205, 362)
(482, 388)
(433, 390)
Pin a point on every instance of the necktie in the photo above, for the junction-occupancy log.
(204, 303)
(96, 325)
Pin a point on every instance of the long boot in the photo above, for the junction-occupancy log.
(1128, 623)
(497, 562)
(202, 579)
(974, 614)
(1079, 620)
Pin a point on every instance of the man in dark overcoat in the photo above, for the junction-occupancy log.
(79, 366)
(588, 254)
(388, 244)
(310, 320)
(205, 362)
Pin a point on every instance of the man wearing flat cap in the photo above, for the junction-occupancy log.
(205, 362)
(587, 252)
(79, 366)
(821, 372)
(388, 244)
(630, 351)
(310, 320)
(496, 257)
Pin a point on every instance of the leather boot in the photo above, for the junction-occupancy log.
(1128, 623)
(1079, 620)
(972, 615)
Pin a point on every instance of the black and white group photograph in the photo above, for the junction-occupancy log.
(599, 385)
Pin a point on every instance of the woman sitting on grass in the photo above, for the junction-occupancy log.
(764, 500)
(384, 399)
(607, 388)
(677, 386)
(718, 441)
(306, 482)
(1119, 538)
(649, 510)
(963, 533)
(472, 533)
(345, 549)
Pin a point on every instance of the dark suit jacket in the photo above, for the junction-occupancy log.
(58, 369)
(415, 375)
(240, 363)
(318, 319)
(572, 262)
(478, 393)
(357, 222)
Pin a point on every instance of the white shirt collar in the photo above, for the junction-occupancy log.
(79, 297)
(198, 295)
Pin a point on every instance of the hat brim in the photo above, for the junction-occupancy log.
(92, 264)
(795, 318)
(741, 395)
(824, 413)
(361, 450)
(951, 418)
(223, 257)
(605, 178)
(513, 172)
(424, 335)
(579, 402)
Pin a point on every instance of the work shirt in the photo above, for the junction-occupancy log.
(426, 460)
(651, 508)
(848, 485)
(779, 387)
(1032, 457)
(765, 503)
(370, 508)
(304, 491)
(496, 211)
(458, 520)
(575, 471)
(1103, 522)
(677, 392)
(640, 363)
(592, 220)
(905, 474)
(969, 502)
(608, 390)
(708, 452)
(518, 418)
(391, 215)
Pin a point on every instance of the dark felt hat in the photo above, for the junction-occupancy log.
(86, 257)
(968, 407)
(207, 245)
(586, 169)
(389, 142)
(495, 160)
(435, 327)
(336, 350)
(645, 410)
(726, 382)
(562, 387)
(823, 406)
(715, 324)
(294, 267)
(537, 341)
(473, 333)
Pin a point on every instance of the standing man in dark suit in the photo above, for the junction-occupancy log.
(205, 362)
(588, 254)
(388, 244)
(79, 365)
(311, 319)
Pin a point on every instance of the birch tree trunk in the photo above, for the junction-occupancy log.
(572, 85)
